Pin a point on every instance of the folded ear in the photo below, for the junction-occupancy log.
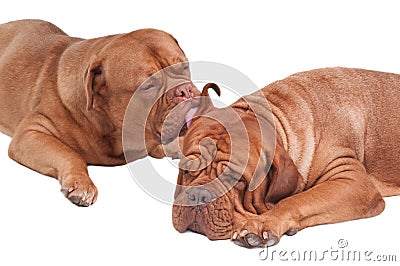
(203, 156)
(93, 81)
(284, 178)
(179, 182)
(206, 103)
(213, 86)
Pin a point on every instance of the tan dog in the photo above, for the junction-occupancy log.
(63, 99)
(337, 154)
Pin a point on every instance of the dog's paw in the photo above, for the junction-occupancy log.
(258, 232)
(79, 190)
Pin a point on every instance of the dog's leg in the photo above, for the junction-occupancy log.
(346, 194)
(35, 147)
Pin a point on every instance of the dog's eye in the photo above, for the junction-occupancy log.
(183, 69)
(151, 83)
(186, 174)
(147, 87)
(185, 66)
(191, 174)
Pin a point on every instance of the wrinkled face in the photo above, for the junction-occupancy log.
(144, 74)
(212, 193)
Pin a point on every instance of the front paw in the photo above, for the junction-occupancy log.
(259, 231)
(80, 190)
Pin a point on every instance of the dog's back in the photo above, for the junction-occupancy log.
(25, 46)
(335, 108)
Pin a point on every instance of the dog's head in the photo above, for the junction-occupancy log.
(145, 69)
(232, 170)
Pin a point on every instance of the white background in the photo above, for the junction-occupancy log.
(266, 41)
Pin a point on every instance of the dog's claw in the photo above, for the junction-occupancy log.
(243, 233)
(234, 236)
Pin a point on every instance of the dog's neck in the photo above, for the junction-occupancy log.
(288, 133)
(298, 137)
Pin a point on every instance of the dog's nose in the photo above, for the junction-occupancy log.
(199, 196)
(184, 91)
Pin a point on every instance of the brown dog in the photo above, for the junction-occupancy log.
(336, 155)
(63, 99)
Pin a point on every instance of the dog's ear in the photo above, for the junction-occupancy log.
(93, 81)
(206, 103)
(179, 183)
(284, 178)
(213, 86)
(202, 156)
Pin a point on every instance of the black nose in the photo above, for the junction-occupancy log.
(199, 196)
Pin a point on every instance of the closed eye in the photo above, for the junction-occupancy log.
(191, 174)
(152, 82)
(185, 67)
(147, 87)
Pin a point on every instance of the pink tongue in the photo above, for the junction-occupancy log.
(189, 115)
